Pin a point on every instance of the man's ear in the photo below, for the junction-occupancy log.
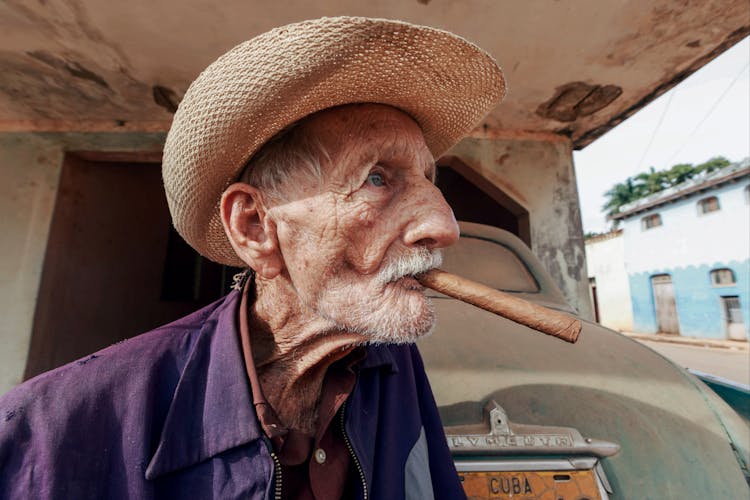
(251, 234)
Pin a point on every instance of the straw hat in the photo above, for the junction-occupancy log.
(261, 86)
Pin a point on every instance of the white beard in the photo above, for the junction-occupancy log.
(396, 314)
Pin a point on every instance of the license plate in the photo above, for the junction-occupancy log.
(531, 485)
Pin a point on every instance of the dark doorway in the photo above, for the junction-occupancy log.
(475, 199)
(104, 276)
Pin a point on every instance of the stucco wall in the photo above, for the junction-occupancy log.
(29, 170)
(688, 246)
(605, 257)
(539, 176)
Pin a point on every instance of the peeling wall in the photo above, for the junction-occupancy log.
(539, 176)
(29, 171)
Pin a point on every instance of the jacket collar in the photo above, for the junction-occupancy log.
(379, 356)
(212, 409)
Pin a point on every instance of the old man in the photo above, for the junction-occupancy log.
(306, 155)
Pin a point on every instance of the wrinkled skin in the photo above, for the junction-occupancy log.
(318, 255)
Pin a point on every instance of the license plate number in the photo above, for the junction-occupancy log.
(531, 485)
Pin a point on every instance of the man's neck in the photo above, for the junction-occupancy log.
(292, 350)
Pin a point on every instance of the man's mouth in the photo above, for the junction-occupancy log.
(408, 265)
(410, 283)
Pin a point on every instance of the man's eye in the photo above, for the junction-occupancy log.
(376, 179)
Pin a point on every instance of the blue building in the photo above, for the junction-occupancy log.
(687, 256)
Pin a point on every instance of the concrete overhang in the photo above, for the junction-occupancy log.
(575, 68)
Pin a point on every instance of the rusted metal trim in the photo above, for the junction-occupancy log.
(589, 136)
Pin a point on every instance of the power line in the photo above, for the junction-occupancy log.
(656, 129)
(710, 111)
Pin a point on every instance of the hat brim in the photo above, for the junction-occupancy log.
(447, 84)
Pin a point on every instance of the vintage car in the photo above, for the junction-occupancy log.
(531, 417)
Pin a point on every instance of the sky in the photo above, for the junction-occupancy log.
(706, 115)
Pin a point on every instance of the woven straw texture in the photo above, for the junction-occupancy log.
(244, 98)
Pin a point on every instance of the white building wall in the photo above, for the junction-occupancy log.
(688, 246)
(605, 257)
(686, 238)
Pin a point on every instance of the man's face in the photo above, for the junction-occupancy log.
(377, 204)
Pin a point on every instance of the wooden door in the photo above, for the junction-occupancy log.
(112, 269)
(666, 308)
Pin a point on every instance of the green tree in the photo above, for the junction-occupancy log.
(680, 173)
(714, 163)
(620, 194)
(653, 181)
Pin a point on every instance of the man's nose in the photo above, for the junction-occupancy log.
(432, 223)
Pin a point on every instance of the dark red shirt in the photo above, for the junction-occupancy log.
(312, 467)
(325, 466)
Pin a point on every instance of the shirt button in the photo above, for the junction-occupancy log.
(320, 456)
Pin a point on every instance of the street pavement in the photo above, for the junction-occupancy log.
(732, 363)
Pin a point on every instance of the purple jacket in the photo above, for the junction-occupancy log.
(168, 414)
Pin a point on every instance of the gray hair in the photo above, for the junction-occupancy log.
(287, 157)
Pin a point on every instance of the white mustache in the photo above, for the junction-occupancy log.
(410, 264)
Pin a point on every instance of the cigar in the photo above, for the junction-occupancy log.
(521, 311)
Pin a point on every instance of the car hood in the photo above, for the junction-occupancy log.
(678, 440)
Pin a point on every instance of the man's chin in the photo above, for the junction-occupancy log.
(409, 337)
(401, 314)
(401, 327)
